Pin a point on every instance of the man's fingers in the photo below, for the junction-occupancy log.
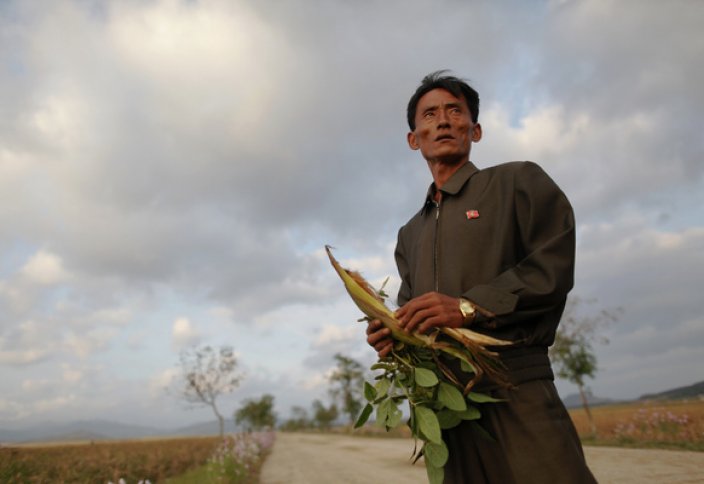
(378, 336)
(385, 350)
(417, 318)
(377, 332)
(430, 323)
(373, 326)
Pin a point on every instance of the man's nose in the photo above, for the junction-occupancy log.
(443, 119)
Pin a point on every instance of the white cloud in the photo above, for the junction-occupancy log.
(183, 334)
(163, 381)
(331, 334)
(72, 375)
(21, 357)
(44, 268)
(85, 344)
(316, 381)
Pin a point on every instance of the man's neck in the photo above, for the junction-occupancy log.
(443, 171)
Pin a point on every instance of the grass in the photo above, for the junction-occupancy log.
(132, 460)
(236, 459)
(670, 424)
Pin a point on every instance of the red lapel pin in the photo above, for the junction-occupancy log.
(472, 214)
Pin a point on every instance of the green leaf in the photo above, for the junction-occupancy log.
(482, 398)
(364, 416)
(382, 366)
(436, 475)
(467, 367)
(448, 418)
(382, 413)
(472, 413)
(388, 415)
(394, 417)
(435, 454)
(428, 424)
(382, 387)
(425, 377)
(451, 397)
(369, 392)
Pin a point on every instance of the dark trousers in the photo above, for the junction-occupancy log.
(533, 441)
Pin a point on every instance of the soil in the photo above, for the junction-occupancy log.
(301, 458)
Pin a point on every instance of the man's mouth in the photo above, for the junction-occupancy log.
(444, 136)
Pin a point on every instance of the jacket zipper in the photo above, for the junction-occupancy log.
(436, 255)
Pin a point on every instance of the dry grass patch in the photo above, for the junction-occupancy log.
(667, 424)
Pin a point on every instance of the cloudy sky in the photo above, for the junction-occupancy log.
(170, 171)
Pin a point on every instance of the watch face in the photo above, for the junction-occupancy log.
(466, 308)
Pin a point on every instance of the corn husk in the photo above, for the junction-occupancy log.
(465, 344)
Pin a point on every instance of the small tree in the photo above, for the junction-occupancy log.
(299, 419)
(209, 373)
(323, 416)
(257, 414)
(572, 351)
(348, 385)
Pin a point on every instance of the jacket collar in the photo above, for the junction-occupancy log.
(452, 186)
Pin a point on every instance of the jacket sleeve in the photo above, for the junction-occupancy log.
(545, 244)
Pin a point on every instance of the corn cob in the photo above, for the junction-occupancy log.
(468, 346)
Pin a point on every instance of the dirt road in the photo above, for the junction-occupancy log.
(341, 459)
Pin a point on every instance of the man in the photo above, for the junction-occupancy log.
(493, 250)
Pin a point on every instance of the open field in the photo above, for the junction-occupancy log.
(235, 459)
(676, 424)
(104, 461)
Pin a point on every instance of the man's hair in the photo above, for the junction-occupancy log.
(455, 86)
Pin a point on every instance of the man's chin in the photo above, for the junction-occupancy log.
(451, 160)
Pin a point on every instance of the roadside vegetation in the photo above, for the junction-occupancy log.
(234, 459)
(664, 424)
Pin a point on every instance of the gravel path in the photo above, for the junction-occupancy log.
(330, 458)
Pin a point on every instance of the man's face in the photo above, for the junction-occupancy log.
(444, 128)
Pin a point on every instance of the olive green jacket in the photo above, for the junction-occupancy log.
(503, 238)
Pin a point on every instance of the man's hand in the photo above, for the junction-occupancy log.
(430, 310)
(379, 338)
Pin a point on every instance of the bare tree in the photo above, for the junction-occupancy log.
(572, 351)
(209, 373)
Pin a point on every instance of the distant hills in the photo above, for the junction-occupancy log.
(690, 391)
(575, 401)
(104, 430)
(107, 430)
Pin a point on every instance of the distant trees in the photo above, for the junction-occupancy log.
(323, 417)
(209, 373)
(347, 381)
(257, 414)
(299, 420)
(346, 390)
(572, 352)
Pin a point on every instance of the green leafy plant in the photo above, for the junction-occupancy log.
(416, 373)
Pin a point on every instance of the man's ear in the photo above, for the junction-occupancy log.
(412, 141)
(477, 132)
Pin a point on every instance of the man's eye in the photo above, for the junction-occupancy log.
(428, 114)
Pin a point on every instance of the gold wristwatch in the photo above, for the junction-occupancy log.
(467, 311)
